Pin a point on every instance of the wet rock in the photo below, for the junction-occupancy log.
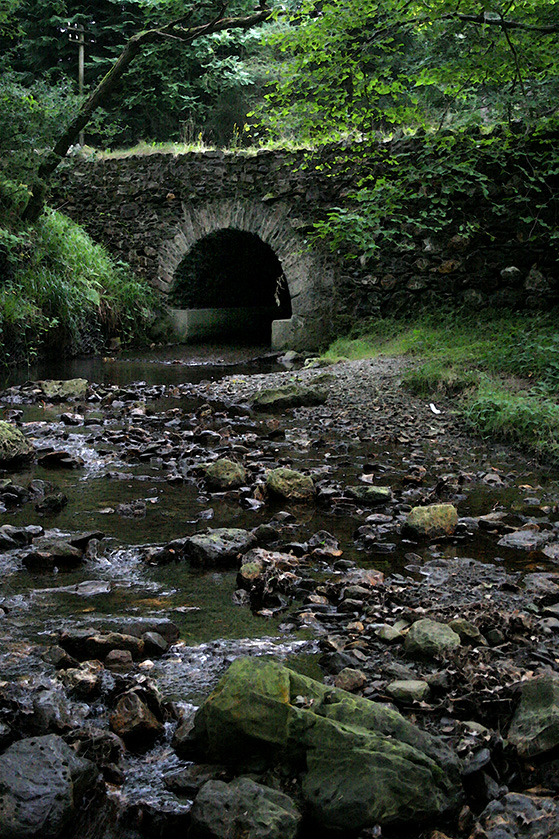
(119, 661)
(288, 396)
(184, 741)
(264, 572)
(290, 484)
(525, 540)
(188, 781)
(49, 552)
(102, 747)
(535, 726)
(350, 680)
(57, 390)
(51, 504)
(518, 816)
(389, 634)
(84, 681)
(428, 639)
(138, 626)
(59, 658)
(430, 522)
(90, 643)
(243, 808)
(412, 690)
(42, 784)
(370, 495)
(59, 459)
(219, 546)
(71, 419)
(154, 644)
(353, 747)
(225, 474)
(14, 447)
(14, 537)
(135, 722)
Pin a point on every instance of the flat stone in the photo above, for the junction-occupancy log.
(525, 540)
(370, 495)
(59, 390)
(288, 396)
(219, 546)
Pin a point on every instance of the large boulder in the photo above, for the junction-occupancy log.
(288, 396)
(219, 546)
(535, 726)
(290, 484)
(14, 447)
(431, 522)
(42, 784)
(365, 763)
(243, 808)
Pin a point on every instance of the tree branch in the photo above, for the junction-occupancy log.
(110, 80)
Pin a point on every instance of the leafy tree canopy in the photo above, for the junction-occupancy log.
(352, 66)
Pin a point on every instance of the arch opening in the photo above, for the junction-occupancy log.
(230, 284)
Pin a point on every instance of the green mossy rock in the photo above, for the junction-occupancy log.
(13, 445)
(289, 484)
(62, 389)
(288, 396)
(431, 522)
(225, 474)
(535, 726)
(428, 639)
(365, 763)
(370, 495)
(243, 808)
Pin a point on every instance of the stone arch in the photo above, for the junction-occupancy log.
(308, 276)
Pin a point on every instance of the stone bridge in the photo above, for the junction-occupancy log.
(222, 236)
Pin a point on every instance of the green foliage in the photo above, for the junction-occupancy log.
(171, 88)
(447, 184)
(61, 290)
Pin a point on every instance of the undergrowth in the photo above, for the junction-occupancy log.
(502, 369)
(62, 293)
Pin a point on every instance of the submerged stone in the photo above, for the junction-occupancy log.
(354, 749)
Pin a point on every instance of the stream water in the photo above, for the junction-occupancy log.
(134, 504)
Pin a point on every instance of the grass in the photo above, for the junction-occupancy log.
(502, 369)
(63, 293)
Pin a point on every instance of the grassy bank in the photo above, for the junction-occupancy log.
(501, 369)
(61, 293)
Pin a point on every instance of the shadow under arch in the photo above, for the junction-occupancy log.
(233, 286)
(308, 276)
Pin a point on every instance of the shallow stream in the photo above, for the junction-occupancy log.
(135, 502)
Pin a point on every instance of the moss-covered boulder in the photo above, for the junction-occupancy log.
(535, 726)
(224, 474)
(365, 763)
(290, 484)
(370, 495)
(14, 447)
(431, 522)
(429, 639)
(288, 396)
(60, 390)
